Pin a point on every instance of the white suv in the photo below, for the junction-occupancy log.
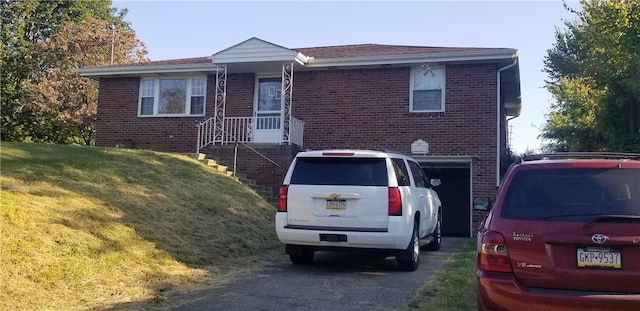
(355, 199)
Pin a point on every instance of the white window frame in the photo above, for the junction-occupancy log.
(156, 96)
(422, 70)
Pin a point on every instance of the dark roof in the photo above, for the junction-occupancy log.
(363, 50)
(339, 51)
(183, 61)
(179, 61)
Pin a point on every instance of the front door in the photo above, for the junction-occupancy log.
(267, 124)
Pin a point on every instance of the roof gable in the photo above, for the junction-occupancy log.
(254, 50)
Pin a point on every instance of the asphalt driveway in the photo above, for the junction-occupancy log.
(335, 281)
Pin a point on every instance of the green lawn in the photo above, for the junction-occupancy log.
(85, 227)
(453, 288)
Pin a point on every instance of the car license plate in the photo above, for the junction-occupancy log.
(599, 257)
(339, 205)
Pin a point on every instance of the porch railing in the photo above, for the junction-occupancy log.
(244, 129)
(238, 129)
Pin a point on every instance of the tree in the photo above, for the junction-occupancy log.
(43, 42)
(507, 157)
(70, 99)
(594, 75)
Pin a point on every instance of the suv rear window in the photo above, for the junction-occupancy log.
(572, 194)
(340, 171)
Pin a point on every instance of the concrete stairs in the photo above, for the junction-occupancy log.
(266, 192)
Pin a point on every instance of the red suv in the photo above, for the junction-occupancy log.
(563, 234)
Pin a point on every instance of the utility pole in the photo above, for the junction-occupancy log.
(112, 27)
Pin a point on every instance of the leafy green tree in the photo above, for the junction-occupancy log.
(43, 42)
(507, 157)
(594, 75)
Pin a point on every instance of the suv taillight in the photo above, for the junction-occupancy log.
(395, 202)
(282, 199)
(492, 253)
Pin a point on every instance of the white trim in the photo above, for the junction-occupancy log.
(499, 118)
(256, 91)
(444, 158)
(464, 56)
(442, 90)
(305, 61)
(266, 135)
(138, 70)
(156, 96)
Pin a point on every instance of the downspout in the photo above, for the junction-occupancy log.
(498, 118)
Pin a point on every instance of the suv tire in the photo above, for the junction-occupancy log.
(409, 259)
(436, 243)
(303, 256)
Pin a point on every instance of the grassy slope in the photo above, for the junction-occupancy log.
(85, 227)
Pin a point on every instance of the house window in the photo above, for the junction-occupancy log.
(427, 89)
(172, 97)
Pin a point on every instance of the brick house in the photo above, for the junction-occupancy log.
(257, 104)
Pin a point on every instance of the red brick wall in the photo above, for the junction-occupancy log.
(254, 165)
(360, 108)
(240, 93)
(119, 124)
(370, 109)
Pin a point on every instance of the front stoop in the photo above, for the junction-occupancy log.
(264, 191)
(266, 164)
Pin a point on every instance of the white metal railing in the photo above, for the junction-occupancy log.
(249, 129)
(237, 129)
(205, 133)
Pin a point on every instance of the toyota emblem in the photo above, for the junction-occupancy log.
(599, 238)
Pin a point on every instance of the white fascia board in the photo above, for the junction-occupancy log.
(263, 57)
(444, 159)
(413, 58)
(134, 70)
(252, 59)
(302, 59)
(278, 58)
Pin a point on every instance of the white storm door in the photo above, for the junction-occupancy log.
(267, 125)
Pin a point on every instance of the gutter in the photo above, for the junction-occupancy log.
(498, 117)
(303, 60)
(411, 58)
(97, 72)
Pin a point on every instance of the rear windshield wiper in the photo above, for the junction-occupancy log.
(609, 218)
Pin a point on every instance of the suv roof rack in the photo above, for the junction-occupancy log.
(579, 155)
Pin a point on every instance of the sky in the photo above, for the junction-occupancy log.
(184, 29)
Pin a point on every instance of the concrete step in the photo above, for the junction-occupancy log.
(197, 156)
(266, 192)
(247, 181)
(215, 164)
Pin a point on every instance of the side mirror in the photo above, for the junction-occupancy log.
(435, 182)
(481, 203)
